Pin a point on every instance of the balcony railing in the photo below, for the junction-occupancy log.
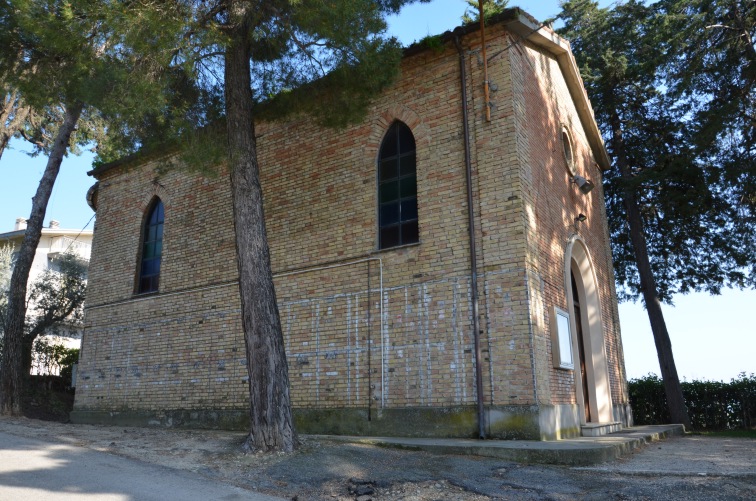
(63, 244)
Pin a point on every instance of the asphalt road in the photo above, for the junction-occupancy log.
(34, 470)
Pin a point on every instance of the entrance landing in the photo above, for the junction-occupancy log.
(580, 451)
(600, 429)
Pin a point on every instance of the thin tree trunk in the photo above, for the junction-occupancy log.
(675, 402)
(271, 422)
(27, 345)
(11, 368)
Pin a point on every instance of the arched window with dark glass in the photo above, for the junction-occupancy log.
(152, 249)
(397, 188)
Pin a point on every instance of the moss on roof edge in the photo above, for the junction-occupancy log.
(158, 151)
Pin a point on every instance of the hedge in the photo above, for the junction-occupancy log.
(712, 405)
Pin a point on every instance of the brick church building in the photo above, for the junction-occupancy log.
(438, 272)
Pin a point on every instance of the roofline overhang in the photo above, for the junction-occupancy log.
(514, 20)
(529, 29)
(46, 232)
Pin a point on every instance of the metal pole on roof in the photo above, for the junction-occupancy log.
(486, 93)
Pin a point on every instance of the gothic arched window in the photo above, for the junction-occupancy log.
(397, 188)
(152, 249)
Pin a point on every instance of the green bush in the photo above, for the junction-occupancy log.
(54, 358)
(712, 405)
(70, 357)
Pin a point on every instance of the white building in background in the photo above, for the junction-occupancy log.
(54, 242)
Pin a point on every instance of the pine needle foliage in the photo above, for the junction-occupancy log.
(671, 83)
(490, 8)
(666, 73)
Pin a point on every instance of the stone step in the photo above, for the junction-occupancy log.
(600, 429)
(581, 451)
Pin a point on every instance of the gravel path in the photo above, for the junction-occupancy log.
(685, 468)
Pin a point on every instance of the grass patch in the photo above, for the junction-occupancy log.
(394, 445)
(728, 433)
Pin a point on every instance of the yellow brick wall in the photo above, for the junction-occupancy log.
(363, 328)
(555, 204)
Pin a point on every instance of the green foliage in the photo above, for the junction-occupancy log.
(113, 59)
(648, 400)
(66, 362)
(433, 42)
(6, 265)
(342, 96)
(56, 301)
(57, 296)
(490, 8)
(712, 69)
(712, 405)
(53, 358)
(635, 59)
(324, 59)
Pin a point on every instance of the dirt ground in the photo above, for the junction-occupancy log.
(680, 468)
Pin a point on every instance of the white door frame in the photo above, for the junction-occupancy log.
(578, 261)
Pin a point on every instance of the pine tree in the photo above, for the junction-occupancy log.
(490, 7)
(711, 66)
(60, 57)
(269, 60)
(13, 114)
(672, 86)
(619, 64)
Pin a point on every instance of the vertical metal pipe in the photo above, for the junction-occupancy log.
(370, 347)
(473, 250)
(486, 93)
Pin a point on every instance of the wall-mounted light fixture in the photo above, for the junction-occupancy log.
(579, 219)
(583, 184)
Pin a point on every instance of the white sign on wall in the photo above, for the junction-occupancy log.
(561, 339)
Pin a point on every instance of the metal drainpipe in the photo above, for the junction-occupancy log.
(370, 346)
(473, 252)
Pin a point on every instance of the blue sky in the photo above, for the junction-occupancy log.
(711, 337)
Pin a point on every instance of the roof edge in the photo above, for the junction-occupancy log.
(529, 29)
(516, 21)
(9, 235)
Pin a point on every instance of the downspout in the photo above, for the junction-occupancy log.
(473, 251)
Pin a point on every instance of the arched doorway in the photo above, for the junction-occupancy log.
(589, 354)
(582, 374)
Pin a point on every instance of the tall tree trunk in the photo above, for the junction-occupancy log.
(11, 368)
(272, 428)
(675, 401)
